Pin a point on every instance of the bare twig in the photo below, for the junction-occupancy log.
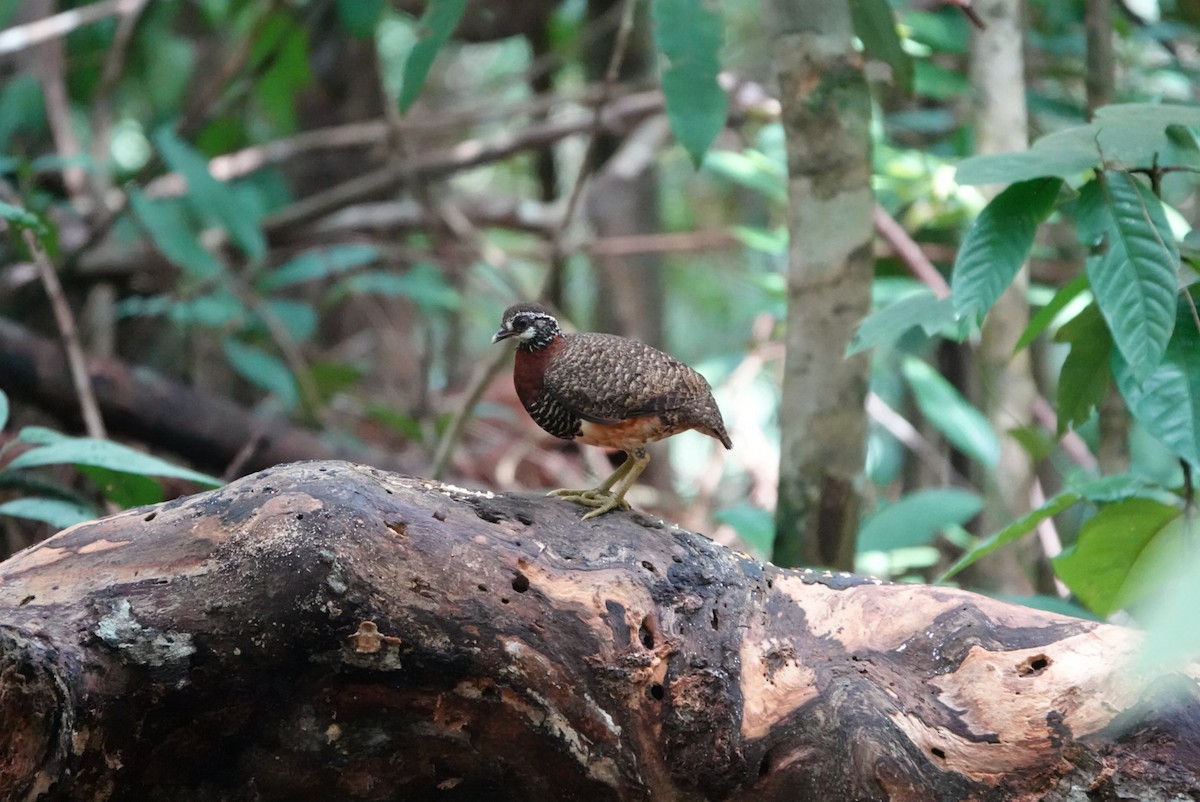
(21, 37)
(69, 332)
(472, 153)
(910, 252)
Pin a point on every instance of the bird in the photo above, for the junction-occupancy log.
(605, 390)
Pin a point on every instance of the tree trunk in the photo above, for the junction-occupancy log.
(822, 417)
(330, 631)
(1007, 387)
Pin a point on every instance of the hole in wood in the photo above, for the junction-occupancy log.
(482, 587)
(1034, 665)
(938, 752)
(150, 517)
(525, 519)
(649, 566)
(646, 632)
(399, 527)
(520, 583)
(716, 621)
(657, 692)
(299, 516)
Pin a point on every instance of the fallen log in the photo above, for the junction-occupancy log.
(329, 631)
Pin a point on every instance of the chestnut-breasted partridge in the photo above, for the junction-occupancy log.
(604, 390)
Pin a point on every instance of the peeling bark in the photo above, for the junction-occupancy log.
(330, 631)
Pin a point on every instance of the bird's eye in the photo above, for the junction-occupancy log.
(520, 324)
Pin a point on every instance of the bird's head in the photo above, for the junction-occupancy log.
(531, 325)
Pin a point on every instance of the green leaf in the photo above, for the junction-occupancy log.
(406, 425)
(1045, 316)
(1120, 551)
(886, 325)
(359, 17)
(1084, 379)
(210, 197)
(915, 519)
(422, 284)
(1065, 154)
(318, 263)
(1167, 402)
(754, 525)
(263, 370)
(751, 169)
(437, 23)
(689, 34)
(23, 219)
(951, 414)
(106, 454)
(1130, 135)
(1107, 489)
(125, 489)
(998, 243)
(288, 71)
(1091, 214)
(875, 26)
(3, 409)
(54, 511)
(1135, 282)
(173, 235)
(298, 318)
(332, 378)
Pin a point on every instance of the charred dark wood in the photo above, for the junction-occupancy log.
(209, 431)
(328, 631)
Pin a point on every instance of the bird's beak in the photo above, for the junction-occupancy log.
(501, 335)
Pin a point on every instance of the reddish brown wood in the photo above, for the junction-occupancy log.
(329, 631)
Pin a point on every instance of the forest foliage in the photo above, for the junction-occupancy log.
(319, 208)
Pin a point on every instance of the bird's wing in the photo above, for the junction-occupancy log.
(603, 378)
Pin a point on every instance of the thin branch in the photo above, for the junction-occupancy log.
(910, 252)
(69, 332)
(102, 98)
(22, 37)
(472, 153)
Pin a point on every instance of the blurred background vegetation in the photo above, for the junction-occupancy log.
(286, 229)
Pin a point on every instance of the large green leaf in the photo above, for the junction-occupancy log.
(318, 263)
(359, 17)
(1107, 489)
(54, 511)
(875, 26)
(173, 235)
(1120, 551)
(124, 489)
(1136, 280)
(263, 370)
(1085, 375)
(998, 243)
(422, 284)
(951, 414)
(689, 34)
(1167, 402)
(888, 324)
(1046, 315)
(917, 517)
(437, 23)
(754, 525)
(106, 454)
(1132, 135)
(211, 197)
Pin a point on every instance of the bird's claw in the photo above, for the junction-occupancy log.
(602, 500)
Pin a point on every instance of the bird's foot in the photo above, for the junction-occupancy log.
(602, 500)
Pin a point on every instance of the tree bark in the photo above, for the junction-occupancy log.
(330, 631)
(1008, 389)
(826, 115)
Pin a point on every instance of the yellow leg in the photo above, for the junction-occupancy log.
(603, 497)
